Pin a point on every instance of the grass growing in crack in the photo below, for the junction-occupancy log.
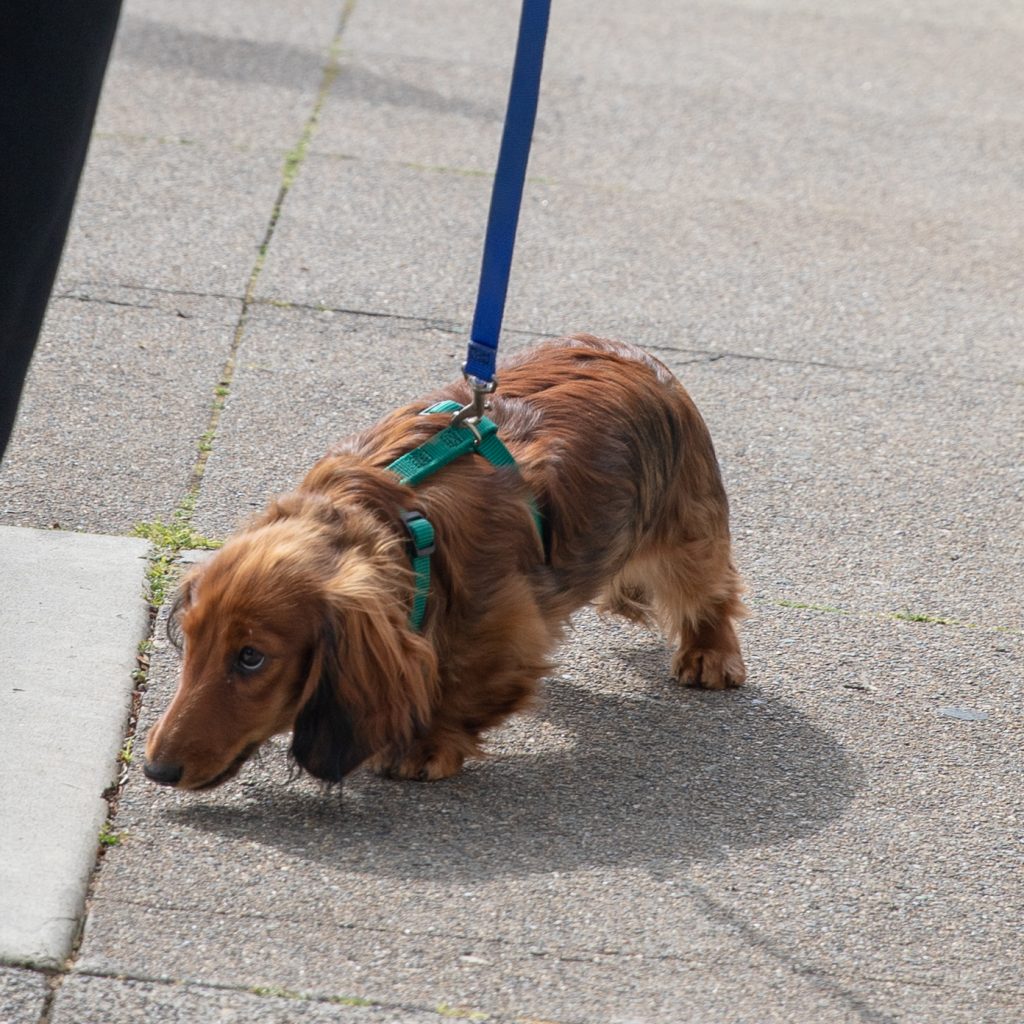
(273, 992)
(901, 616)
(142, 656)
(125, 756)
(349, 1001)
(169, 540)
(206, 442)
(293, 160)
(108, 837)
(917, 617)
(806, 606)
(176, 535)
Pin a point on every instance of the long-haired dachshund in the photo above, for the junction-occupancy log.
(302, 621)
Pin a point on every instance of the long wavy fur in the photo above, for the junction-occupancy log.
(301, 621)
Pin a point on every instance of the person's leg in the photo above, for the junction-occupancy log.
(53, 55)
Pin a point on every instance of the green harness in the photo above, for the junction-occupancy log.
(450, 444)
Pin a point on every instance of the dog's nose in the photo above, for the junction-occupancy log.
(164, 772)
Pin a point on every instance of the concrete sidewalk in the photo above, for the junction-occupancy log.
(814, 216)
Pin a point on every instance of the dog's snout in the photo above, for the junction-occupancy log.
(166, 773)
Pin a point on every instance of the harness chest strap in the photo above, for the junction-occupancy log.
(413, 467)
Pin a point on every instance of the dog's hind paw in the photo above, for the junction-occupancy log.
(709, 670)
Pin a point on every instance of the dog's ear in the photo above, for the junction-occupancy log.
(372, 681)
(181, 604)
(325, 739)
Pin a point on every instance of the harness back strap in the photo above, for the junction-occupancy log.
(413, 467)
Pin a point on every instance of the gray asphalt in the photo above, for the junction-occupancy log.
(814, 215)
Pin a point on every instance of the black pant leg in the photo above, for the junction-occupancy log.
(53, 55)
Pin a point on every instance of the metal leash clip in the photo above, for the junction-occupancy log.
(471, 414)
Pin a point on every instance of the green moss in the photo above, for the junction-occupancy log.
(918, 617)
(177, 535)
(273, 992)
(349, 1001)
(169, 540)
(806, 606)
(108, 837)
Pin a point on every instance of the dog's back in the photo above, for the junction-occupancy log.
(612, 450)
(621, 463)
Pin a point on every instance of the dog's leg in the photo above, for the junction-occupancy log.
(696, 596)
(453, 735)
(438, 755)
(709, 656)
(626, 596)
(491, 673)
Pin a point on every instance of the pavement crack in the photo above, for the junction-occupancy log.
(777, 950)
(72, 296)
(826, 364)
(250, 300)
(423, 322)
(54, 983)
(525, 949)
(442, 1011)
(875, 614)
(293, 162)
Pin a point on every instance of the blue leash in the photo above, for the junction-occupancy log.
(506, 197)
(470, 430)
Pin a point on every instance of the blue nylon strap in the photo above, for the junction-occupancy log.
(507, 192)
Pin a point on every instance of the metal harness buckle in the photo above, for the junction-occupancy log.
(420, 533)
(471, 414)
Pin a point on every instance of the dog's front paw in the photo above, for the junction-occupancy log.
(708, 669)
(421, 765)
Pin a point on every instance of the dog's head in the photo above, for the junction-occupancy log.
(298, 624)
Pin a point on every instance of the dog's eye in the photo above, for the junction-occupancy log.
(249, 660)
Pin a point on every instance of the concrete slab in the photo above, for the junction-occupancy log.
(71, 617)
(714, 272)
(303, 379)
(718, 99)
(654, 40)
(118, 1001)
(22, 995)
(118, 397)
(824, 845)
(377, 237)
(263, 22)
(877, 493)
(757, 180)
(236, 73)
(447, 35)
(171, 215)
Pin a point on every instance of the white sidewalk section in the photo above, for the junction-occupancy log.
(71, 617)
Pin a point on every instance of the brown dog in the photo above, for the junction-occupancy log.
(301, 621)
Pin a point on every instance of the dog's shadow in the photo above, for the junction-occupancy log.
(644, 778)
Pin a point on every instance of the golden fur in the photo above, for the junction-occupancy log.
(318, 589)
